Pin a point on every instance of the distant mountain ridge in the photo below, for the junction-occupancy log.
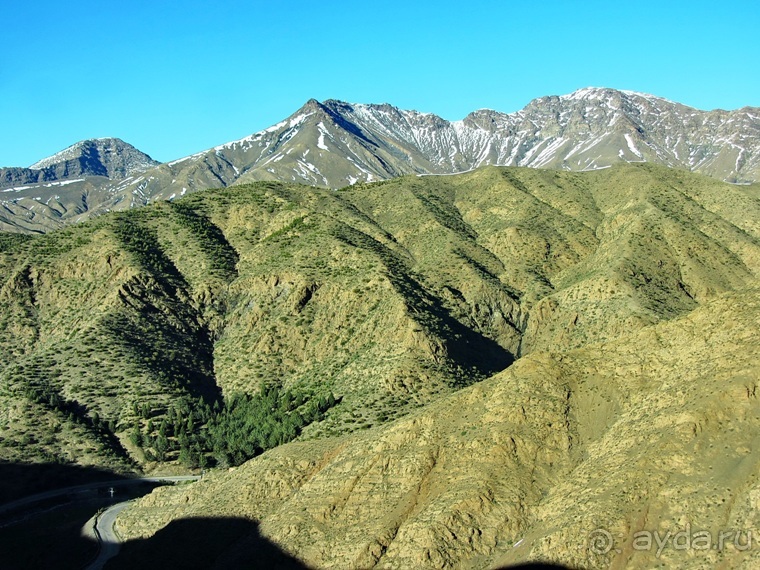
(335, 144)
(108, 157)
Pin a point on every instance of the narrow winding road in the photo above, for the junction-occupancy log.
(110, 542)
(108, 538)
(31, 499)
(104, 531)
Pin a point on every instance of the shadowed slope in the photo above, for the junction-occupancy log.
(204, 543)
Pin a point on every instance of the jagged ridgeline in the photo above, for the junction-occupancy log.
(333, 144)
(161, 332)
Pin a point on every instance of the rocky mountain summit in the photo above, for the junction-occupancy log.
(335, 144)
(107, 157)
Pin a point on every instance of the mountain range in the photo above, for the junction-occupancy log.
(389, 350)
(335, 144)
(517, 361)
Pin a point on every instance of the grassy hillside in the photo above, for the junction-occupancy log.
(384, 297)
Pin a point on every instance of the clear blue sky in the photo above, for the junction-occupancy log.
(173, 78)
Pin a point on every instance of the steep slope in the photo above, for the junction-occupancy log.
(654, 431)
(335, 144)
(388, 295)
(155, 305)
(93, 321)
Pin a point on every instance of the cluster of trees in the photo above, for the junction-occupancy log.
(180, 431)
(249, 425)
(227, 434)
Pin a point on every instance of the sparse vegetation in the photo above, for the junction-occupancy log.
(389, 296)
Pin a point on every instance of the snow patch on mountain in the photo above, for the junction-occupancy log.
(322, 133)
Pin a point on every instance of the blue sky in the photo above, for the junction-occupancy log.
(173, 78)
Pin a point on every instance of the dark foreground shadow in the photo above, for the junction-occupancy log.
(204, 543)
(47, 533)
(44, 507)
(23, 479)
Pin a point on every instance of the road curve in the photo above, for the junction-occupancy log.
(110, 542)
(31, 499)
(104, 531)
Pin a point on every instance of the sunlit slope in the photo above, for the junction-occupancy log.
(652, 431)
(389, 294)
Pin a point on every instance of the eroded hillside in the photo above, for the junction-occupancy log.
(654, 431)
(387, 295)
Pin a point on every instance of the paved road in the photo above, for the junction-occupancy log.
(110, 542)
(31, 499)
(104, 531)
